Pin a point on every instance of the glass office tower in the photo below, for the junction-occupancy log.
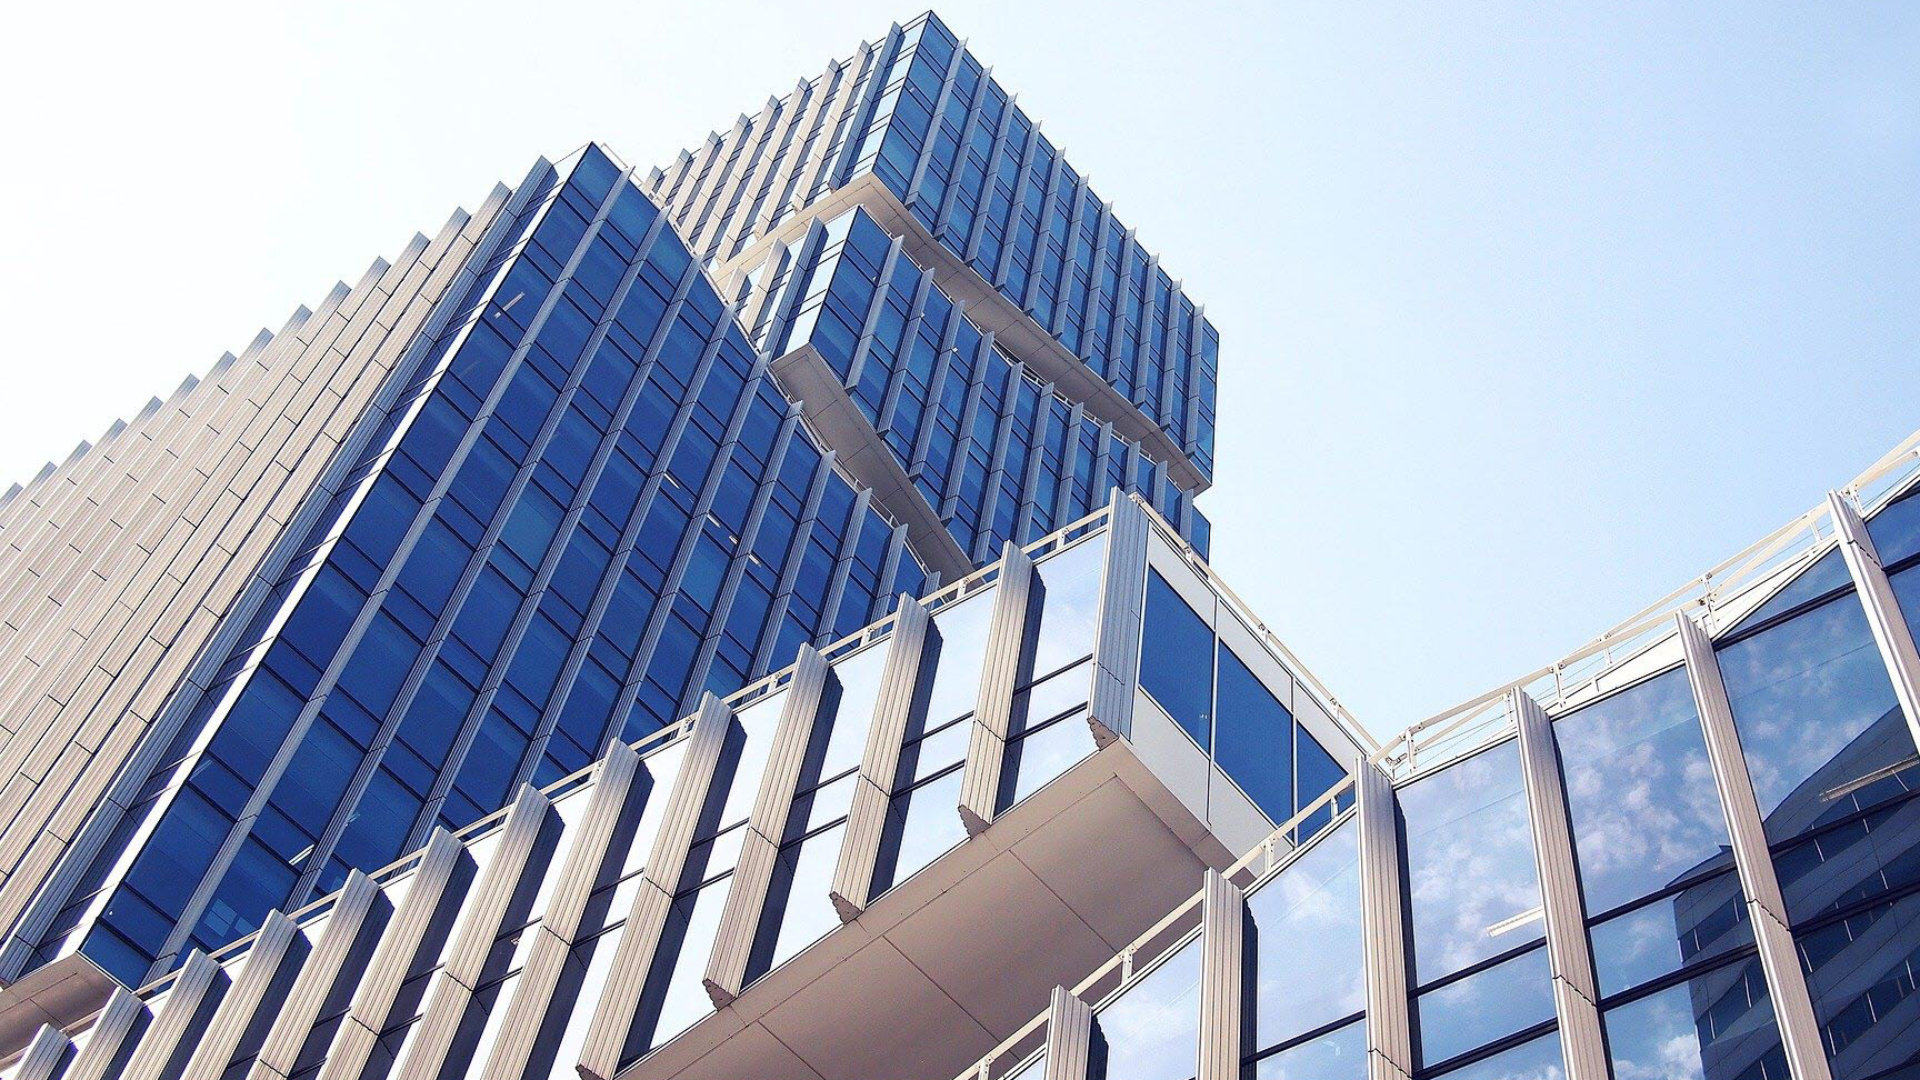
(750, 619)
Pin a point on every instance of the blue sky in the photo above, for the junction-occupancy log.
(1530, 312)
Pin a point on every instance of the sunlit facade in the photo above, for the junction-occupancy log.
(751, 618)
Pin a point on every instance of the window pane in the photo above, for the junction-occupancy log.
(1176, 661)
(846, 712)
(1036, 758)
(1676, 1034)
(1864, 974)
(921, 826)
(1828, 573)
(1640, 792)
(1069, 604)
(1816, 717)
(797, 911)
(1152, 1030)
(1254, 738)
(957, 642)
(1337, 1055)
(1470, 872)
(1307, 963)
(1535, 1059)
(1693, 925)
(1510, 996)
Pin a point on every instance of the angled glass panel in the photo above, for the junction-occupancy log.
(1685, 1032)
(1536, 1059)
(1472, 887)
(922, 825)
(1829, 572)
(1640, 792)
(957, 644)
(1864, 973)
(1039, 756)
(1896, 529)
(846, 714)
(797, 911)
(1253, 737)
(1152, 1030)
(1070, 588)
(1823, 735)
(1305, 950)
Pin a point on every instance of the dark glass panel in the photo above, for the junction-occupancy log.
(1683, 1032)
(1254, 737)
(1176, 660)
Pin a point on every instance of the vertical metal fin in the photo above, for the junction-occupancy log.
(1389, 1034)
(1786, 984)
(1223, 914)
(1116, 650)
(1575, 996)
(867, 817)
(1069, 1036)
(993, 708)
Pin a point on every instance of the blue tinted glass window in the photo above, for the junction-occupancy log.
(1254, 734)
(1640, 792)
(1535, 1059)
(1488, 1005)
(1896, 530)
(1697, 923)
(1864, 974)
(1039, 756)
(921, 826)
(1176, 660)
(1816, 716)
(1308, 969)
(1152, 1030)
(1828, 573)
(1470, 871)
(798, 912)
(1338, 1055)
(1685, 1032)
(958, 648)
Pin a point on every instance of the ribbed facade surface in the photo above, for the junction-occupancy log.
(131, 566)
(920, 117)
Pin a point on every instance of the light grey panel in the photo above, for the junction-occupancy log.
(592, 857)
(640, 937)
(1786, 983)
(111, 1039)
(46, 1055)
(1116, 651)
(1382, 893)
(189, 1005)
(432, 895)
(323, 975)
(1582, 1045)
(993, 708)
(779, 783)
(1223, 915)
(250, 1000)
(525, 845)
(867, 817)
(1069, 1036)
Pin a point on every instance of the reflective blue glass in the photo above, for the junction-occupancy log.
(1306, 962)
(1152, 1030)
(1176, 662)
(1812, 702)
(1864, 974)
(1488, 1005)
(1684, 1033)
(1827, 574)
(1704, 920)
(1338, 1055)
(1640, 792)
(1535, 1059)
(1471, 880)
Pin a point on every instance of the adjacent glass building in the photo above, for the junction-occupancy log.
(752, 619)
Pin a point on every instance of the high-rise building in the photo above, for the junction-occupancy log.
(750, 619)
